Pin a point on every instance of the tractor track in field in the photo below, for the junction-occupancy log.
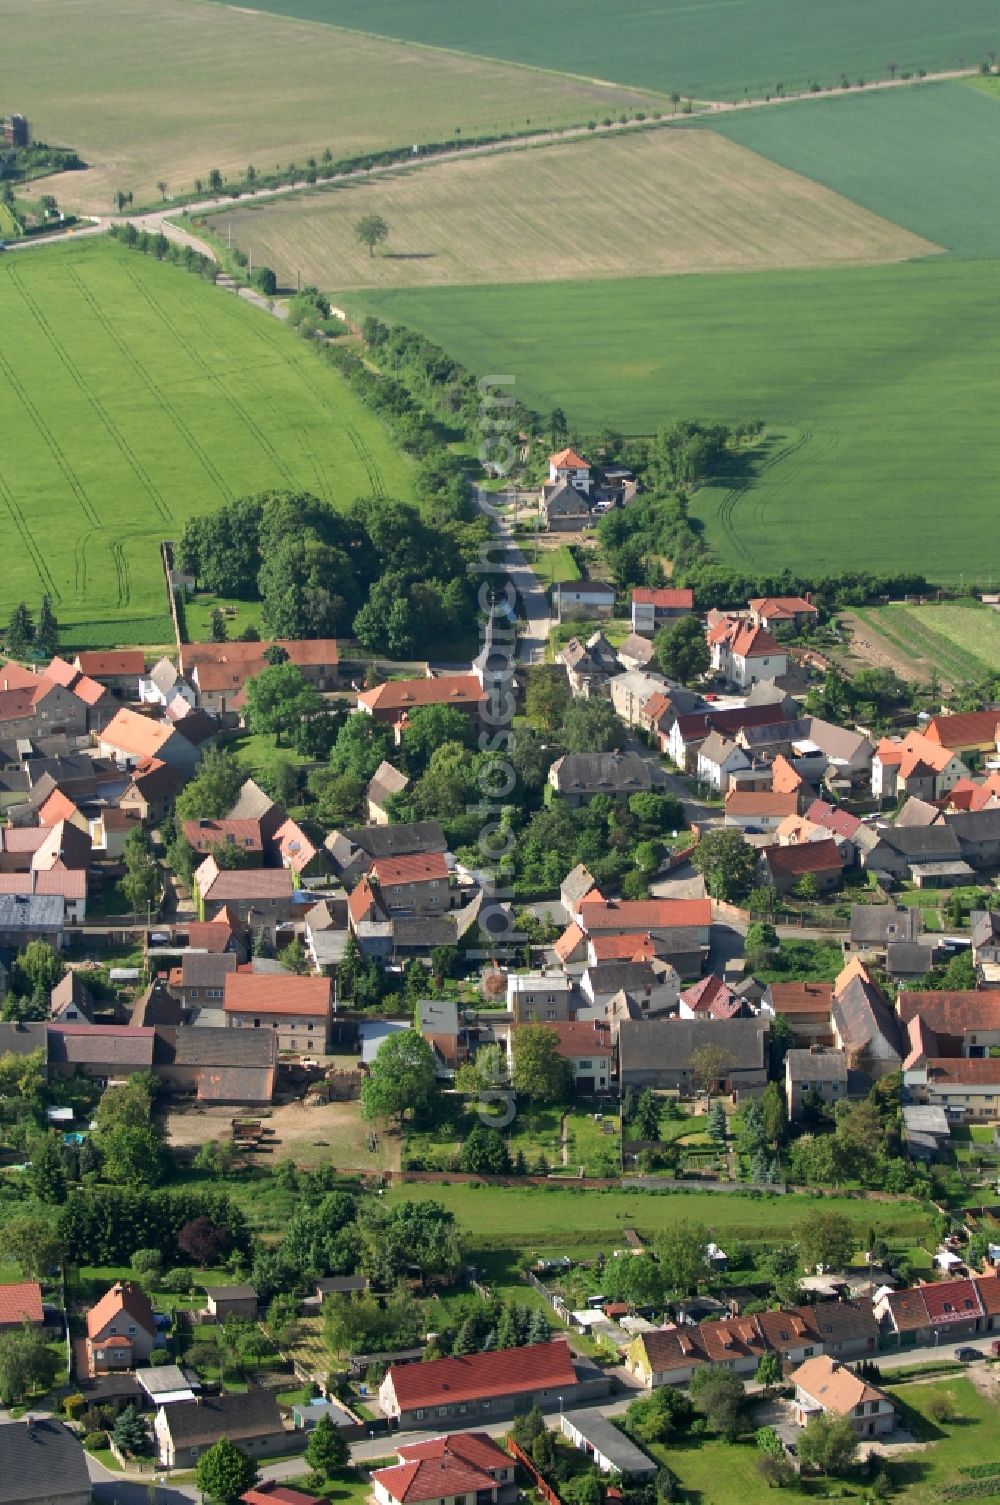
(732, 498)
(198, 360)
(111, 428)
(51, 442)
(31, 547)
(147, 381)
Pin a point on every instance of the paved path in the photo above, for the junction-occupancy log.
(534, 606)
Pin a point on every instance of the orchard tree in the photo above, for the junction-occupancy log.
(279, 699)
(828, 1444)
(27, 1365)
(709, 1063)
(402, 1078)
(719, 1396)
(546, 698)
(485, 1152)
(32, 1242)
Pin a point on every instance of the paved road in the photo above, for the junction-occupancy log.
(534, 606)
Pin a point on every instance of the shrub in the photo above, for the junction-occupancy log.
(74, 1406)
(158, 1357)
(95, 1440)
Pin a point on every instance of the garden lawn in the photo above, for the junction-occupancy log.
(169, 89)
(562, 1220)
(707, 48)
(878, 385)
(350, 1487)
(556, 566)
(917, 156)
(971, 1438)
(133, 395)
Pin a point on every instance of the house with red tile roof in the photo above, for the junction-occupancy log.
(965, 733)
(711, 998)
(974, 794)
(121, 1329)
(587, 1048)
(653, 609)
(119, 670)
(20, 1302)
(966, 1022)
(417, 884)
(492, 1385)
(296, 852)
(688, 732)
(945, 1310)
(132, 740)
(59, 807)
(745, 654)
(967, 1090)
(567, 468)
(915, 765)
(775, 612)
(260, 897)
(203, 836)
(606, 947)
(447, 1470)
(219, 671)
(807, 1007)
(298, 1009)
(825, 1387)
(758, 809)
(393, 700)
(784, 867)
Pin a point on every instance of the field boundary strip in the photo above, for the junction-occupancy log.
(34, 552)
(111, 428)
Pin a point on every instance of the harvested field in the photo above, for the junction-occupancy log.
(151, 89)
(695, 202)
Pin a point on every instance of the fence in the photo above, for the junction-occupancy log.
(554, 1300)
(547, 1494)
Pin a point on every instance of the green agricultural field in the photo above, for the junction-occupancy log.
(133, 395)
(707, 48)
(879, 386)
(169, 89)
(956, 640)
(575, 1222)
(919, 156)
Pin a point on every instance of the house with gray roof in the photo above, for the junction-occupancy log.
(654, 985)
(866, 1028)
(32, 917)
(587, 599)
(718, 757)
(563, 508)
(927, 855)
(658, 1053)
(978, 835)
(23, 1037)
(353, 849)
(383, 784)
(577, 777)
(218, 1064)
(819, 1071)
(576, 885)
(927, 1131)
(252, 1421)
(42, 1463)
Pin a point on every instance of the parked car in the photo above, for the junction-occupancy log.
(968, 1355)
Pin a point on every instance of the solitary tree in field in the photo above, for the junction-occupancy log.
(371, 230)
(215, 180)
(892, 66)
(161, 185)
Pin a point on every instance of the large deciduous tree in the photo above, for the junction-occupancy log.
(402, 1078)
(682, 650)
(726, 862)
(539, 1071)
(224, 1472)
(372, 231)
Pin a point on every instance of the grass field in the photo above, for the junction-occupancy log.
(879, 386)
(556, 566)
(934, 148)
(172, 88)
(132, 395)
(708, 48)
(572, 1222)
(696, 202)
(956, 640)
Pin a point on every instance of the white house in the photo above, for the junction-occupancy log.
(570, 469)
(745, 654)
